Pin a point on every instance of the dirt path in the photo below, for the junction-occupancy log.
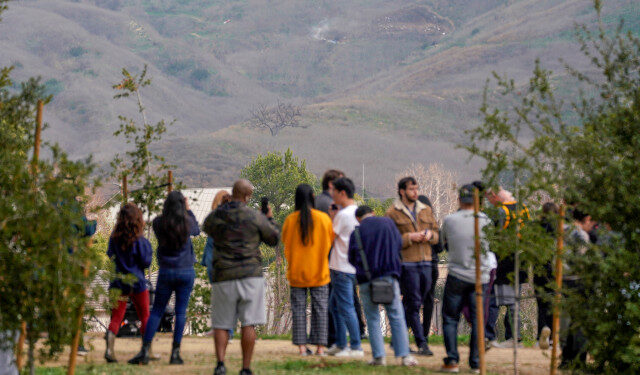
(199, 358)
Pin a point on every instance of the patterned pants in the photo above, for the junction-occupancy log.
(319, 315)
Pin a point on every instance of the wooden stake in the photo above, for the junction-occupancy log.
(170, 180)
(479, 291)
(37, 136)
(76, 337)
(558, 296)
(125, 192)
(34, 165)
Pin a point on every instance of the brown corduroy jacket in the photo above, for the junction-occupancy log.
(414, 252)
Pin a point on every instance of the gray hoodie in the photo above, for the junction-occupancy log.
(458, 233)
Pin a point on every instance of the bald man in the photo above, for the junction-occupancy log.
(238, 286)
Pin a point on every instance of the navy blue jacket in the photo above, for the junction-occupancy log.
(176, 258)
(133, 260)
(382, 243)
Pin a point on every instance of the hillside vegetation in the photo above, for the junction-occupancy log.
(383, 83)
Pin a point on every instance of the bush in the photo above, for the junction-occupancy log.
(587, 155)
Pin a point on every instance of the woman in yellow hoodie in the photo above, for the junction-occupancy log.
(307, 235)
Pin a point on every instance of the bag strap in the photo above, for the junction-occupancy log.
(363, 256)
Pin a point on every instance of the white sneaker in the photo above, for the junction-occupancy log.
(382, 361)
(358, 353)
(544, 338)
(346, 352)
(333, 350)
(409, 361)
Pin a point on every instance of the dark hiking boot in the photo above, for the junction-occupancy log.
(175, 355)
(142, 358)
(424, 350)
(109, 354)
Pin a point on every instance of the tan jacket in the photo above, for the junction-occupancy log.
(414, 252)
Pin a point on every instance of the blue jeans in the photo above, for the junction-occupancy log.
(415, 284)
(179, 280)
(395, 313)
(456, 294)
(344, 314)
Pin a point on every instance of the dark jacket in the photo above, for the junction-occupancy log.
(133, 260)
(506, 265)
(176, 258)
(382, 243)
(237, 232)
(323, 202)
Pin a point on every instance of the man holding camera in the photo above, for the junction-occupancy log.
(419, 231)
(238, 286)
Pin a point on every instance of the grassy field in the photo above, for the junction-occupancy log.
(276, 356)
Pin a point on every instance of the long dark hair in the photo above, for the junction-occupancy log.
(173, 223)
(304, 204)
(129, 226)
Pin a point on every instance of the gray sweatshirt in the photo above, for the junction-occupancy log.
(458, 233)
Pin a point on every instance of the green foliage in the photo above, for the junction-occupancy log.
(145, 170)
(199, 310)
(77, 51)
(199, 74)
(276, 176)
(42, 249)
(593, 164)
(378, 206)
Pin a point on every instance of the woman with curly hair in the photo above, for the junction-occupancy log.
(131, 253)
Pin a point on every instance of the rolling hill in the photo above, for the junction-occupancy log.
(382, 83)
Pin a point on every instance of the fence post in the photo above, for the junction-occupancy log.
(556, 305)
(479, 291)
(76, 337)
(34, 165)
(170, 180)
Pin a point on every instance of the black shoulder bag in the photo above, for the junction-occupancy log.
(382, 290)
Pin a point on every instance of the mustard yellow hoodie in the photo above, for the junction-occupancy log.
(308, 265)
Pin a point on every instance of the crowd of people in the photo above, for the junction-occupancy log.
(343, 261)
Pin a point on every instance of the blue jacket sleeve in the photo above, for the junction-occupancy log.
(353, 250)
(207, 254)
(397, 238)
(146, 253)
(194, 228)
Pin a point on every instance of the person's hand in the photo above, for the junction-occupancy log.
(269, 214)
(416, 237)
(186, 203)
(428, 235)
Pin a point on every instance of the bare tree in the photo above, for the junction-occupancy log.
(282, 115)
(438, 184)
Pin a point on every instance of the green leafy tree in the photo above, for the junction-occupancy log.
(145, 170)
(581, 149)
(42, 252)
(276, 176)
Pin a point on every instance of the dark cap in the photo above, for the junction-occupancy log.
(466, 194)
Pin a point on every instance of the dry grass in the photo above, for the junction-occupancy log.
(276, 356)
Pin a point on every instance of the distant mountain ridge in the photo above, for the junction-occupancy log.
(384, 83)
